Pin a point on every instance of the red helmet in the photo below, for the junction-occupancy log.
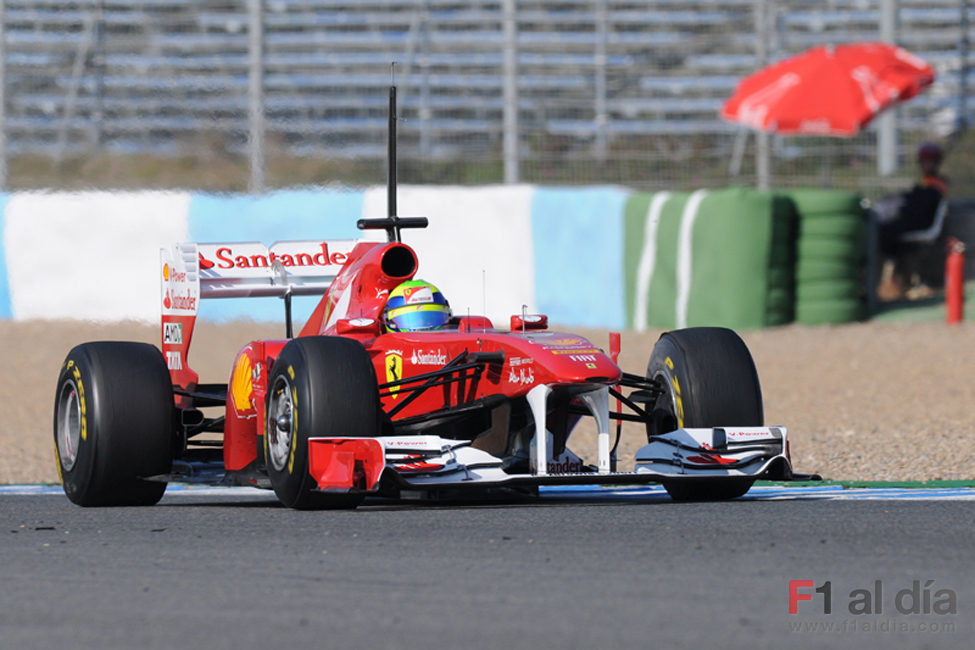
(930, 151)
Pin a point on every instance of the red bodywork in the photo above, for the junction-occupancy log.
(353, 307)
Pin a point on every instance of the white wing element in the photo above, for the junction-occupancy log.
(191, 272)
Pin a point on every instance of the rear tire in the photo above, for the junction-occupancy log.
(708, 379)
(114, 424)
(321, 386)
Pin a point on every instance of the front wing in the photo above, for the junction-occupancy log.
(431, 462)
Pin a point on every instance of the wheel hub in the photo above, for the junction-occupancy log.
(280, 415)
(69, 425)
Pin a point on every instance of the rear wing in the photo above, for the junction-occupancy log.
(193, 272)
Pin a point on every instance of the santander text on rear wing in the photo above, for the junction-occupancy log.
(192, 272)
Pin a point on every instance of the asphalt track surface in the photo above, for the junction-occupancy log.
(610, 569)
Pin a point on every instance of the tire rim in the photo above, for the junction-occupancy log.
(280, 423)
(69, 424)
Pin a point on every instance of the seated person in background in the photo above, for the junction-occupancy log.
(911, 211)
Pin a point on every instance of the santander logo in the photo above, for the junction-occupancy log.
(226, 258)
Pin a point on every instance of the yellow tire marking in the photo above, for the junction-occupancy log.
(294, 426)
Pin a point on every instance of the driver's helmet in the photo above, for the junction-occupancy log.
(416, 305)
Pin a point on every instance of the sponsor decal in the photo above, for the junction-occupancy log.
(575, 351)
(524, 376)
(710, 459)
(174, 359)
(417, 295)
(173, 333)
(241, 386)
(419, 467)
(583, 358)
(225, 258)
(564, 343)
(394, 368)
(520, 361)
(564, 466)
(361, 322)
(431, 358)
(185, 302)
(749, 435)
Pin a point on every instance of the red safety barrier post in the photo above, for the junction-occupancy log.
(955, 281)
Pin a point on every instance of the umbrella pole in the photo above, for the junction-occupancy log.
(762, 160)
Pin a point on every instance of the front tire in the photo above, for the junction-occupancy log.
(114, 424)
(708, 379)
(324, 387)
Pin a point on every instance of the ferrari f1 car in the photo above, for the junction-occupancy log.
(350, 408)
(353, 406)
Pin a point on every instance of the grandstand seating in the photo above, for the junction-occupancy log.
(155, 74)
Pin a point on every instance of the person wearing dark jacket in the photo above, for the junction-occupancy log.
(914, 210)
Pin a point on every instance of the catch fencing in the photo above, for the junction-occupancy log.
(541, 91)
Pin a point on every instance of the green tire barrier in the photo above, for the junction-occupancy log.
(814, 270)
(743, 259)
(780, 301)
(827, 290)
(830, 249)
(822, 312)
(811, 201)
(842, 226)
(723, 257)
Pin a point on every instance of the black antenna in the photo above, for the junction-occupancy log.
(393, 230)
(392, 223)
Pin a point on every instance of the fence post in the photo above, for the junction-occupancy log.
(3, 98)
(763, 166)
(256, 95)
(887, 121)
(510, 120)
(602, 117)
(961, 121)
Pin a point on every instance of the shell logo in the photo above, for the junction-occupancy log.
(241, 384)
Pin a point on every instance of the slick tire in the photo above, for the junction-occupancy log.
(114, 424)
(708, 379)
(320, 386)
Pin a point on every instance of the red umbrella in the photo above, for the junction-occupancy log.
(827, 90)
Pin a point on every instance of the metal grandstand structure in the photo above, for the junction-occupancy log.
(546, 91)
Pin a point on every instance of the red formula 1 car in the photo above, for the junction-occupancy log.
(350, 407)
(358, 405)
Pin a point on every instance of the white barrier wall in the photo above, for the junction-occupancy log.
(94, 255)
(89, 255)
(478, 248)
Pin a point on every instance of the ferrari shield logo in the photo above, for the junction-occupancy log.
(394, 369)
